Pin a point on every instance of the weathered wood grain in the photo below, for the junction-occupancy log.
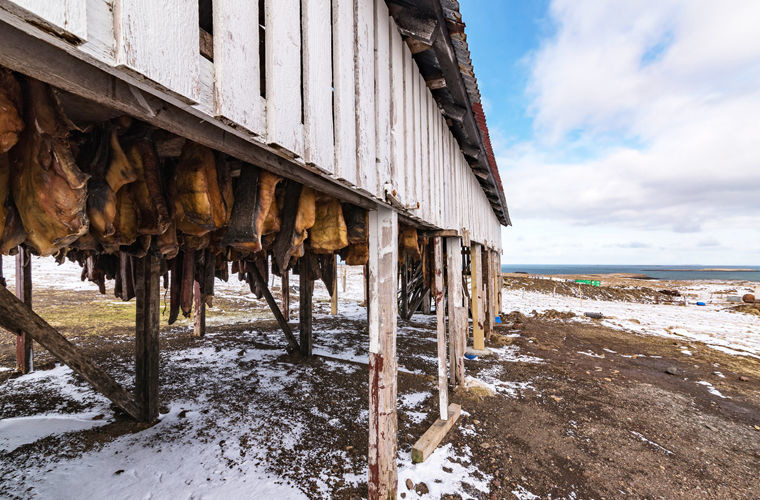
(147, 313)
(158, 45)
(440, 325)
(383, 422)
(457, 311)
(24, 343)
(317, 85)
(15, 315)
(237, 68)
(305, 310)
(344, 97)
(429, 441)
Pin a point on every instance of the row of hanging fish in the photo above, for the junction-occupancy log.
(103, 193)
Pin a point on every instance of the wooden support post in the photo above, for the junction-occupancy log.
(383, 423)
(262, 284)
(345, 271)
(24, 350)
(457, 311)
(199, 310)
(148, 296)
(305, 308)
(488, 307)
(285, 286)
(440, 326)
(426, 301)
(14, 315)
(334, 294)
(499, 285)
(404, 288)
(476, 296)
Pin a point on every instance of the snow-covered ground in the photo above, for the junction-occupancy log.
(204, 447)
(714, 324)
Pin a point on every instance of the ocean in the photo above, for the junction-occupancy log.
(658, 272)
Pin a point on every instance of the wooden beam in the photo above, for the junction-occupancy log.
(383, 419)
(306, 290)
(451, 110)
(413, 23)
(206, 44)
(147, 313)
(15, 315)
(416, 46)
(440, 325)
(24, 343)
(444, 233)
(476, 296)
(457, 311)
(292, 343)
(435, 83)
(435, 434)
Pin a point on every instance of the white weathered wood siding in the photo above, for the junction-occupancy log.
(343, 94)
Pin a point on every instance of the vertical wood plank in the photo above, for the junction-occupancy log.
(237, 68)
(344, 92)
(283, 72)
(410, 129)
(424, 172)
(383, 423)
(416, 167)
(24, 342)
(159, 39)
(365, 96)
(146, 335)
(440, 326)
(306, 290)
(457, 310)
(382, 95)
(398, 130)
(317, 85)
(476, 296)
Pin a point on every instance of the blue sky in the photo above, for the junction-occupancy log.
(626, 132)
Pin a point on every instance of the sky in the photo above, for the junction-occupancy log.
(626, 132)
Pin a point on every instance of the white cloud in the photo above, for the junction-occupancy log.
(647, 120)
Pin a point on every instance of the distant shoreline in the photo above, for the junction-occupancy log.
(705, 270)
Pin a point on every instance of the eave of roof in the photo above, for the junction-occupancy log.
(436, 34)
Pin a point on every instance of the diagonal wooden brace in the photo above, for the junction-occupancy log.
(15, 316)
(292, 343)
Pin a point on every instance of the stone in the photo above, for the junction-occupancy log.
(671, 370)
(422, 489)
(409, 484)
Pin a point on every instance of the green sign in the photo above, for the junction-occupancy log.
(590, 282)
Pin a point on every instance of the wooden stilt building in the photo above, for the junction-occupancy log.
(182, 136)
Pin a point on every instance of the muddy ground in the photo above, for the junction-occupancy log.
(603, 414)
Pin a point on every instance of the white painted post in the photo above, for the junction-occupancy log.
(440, 325)
(383, 424)
(457, 311)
